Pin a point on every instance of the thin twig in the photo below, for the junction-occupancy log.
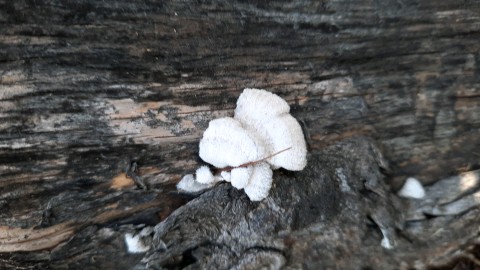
(244, 165)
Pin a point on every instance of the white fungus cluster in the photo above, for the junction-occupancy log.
(261, 127)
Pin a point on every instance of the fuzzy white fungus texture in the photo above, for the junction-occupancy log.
(260, 137)
(189, 184)
(227, 143)
(135, 244)
(268, 116)
(412, 189)
(204, 175)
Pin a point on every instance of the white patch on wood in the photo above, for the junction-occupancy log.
(135, 244)
(17, 145)
(386, 243)
(412, 189)
(468, 181)
(344, 187)
(188, 184)
(14, 90)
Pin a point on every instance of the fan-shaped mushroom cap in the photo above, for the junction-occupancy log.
(259, 104)
(226, 143)
(285, 132)
(267, 115)
(260, 182)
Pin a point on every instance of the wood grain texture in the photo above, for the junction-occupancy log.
(88, 88)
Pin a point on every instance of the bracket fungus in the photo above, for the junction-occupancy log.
(260, 137)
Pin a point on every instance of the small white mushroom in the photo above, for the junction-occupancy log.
(204, 175)
(239, 176)
(412, 189)
(189, 185)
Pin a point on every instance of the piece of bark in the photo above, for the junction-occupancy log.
(316, 212)
(337, 213)
(451, 196)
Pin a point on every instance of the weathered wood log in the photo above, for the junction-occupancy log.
(90, 90)
(334, 214)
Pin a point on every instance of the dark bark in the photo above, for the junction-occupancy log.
(90, 88)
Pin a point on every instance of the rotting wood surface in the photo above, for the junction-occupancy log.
(87, 89)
